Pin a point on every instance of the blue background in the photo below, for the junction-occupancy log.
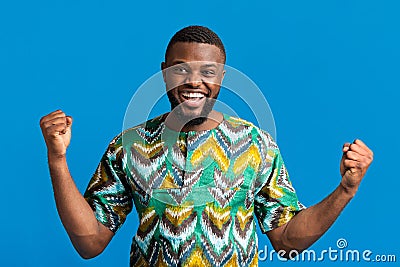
(329, 70)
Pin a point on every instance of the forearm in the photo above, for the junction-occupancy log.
(74, 211)
(309, 225)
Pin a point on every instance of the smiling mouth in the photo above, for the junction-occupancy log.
(193, 96)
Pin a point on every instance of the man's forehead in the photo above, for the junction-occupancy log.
(202, 64)
(195, 52)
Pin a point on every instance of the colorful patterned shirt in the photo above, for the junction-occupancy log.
(196, 193)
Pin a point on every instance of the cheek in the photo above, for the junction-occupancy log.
(214, 82)
(214, 88)
(172, 81)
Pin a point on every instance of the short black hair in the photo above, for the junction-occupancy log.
(196, 34)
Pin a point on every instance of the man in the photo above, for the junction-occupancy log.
(195, 176)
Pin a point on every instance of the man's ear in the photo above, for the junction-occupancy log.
(163, 69)
(223, 75)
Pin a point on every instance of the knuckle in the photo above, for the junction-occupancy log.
(53, 128)
(42, 121)
(48, 124)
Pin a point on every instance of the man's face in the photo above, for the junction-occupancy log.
(193, 73)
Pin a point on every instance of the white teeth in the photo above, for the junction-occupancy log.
(193, 95)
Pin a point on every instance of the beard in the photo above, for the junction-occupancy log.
(187, 119)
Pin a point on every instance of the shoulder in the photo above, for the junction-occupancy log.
(236, 121)
(244, 125)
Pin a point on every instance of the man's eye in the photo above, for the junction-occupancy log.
(208, 72)
(180, 70)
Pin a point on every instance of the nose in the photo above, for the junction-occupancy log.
(194, 80)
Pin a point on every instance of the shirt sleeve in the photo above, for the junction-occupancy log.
(275, 201)
(108, 192)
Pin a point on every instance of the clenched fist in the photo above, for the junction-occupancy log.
(56, 129)
(354, 164)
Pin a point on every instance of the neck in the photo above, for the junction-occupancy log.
(212, 121)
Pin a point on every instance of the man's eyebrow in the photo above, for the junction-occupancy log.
(176, 62)
(209, 65)
(181, 62)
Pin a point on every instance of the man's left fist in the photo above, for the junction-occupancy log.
(354, 164)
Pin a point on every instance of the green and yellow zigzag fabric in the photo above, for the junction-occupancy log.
(196, 193)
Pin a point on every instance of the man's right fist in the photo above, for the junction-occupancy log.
(56, 130)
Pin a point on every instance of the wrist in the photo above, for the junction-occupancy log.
(56, 157)
(348, 190)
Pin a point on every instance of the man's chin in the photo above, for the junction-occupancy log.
(190, 116)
